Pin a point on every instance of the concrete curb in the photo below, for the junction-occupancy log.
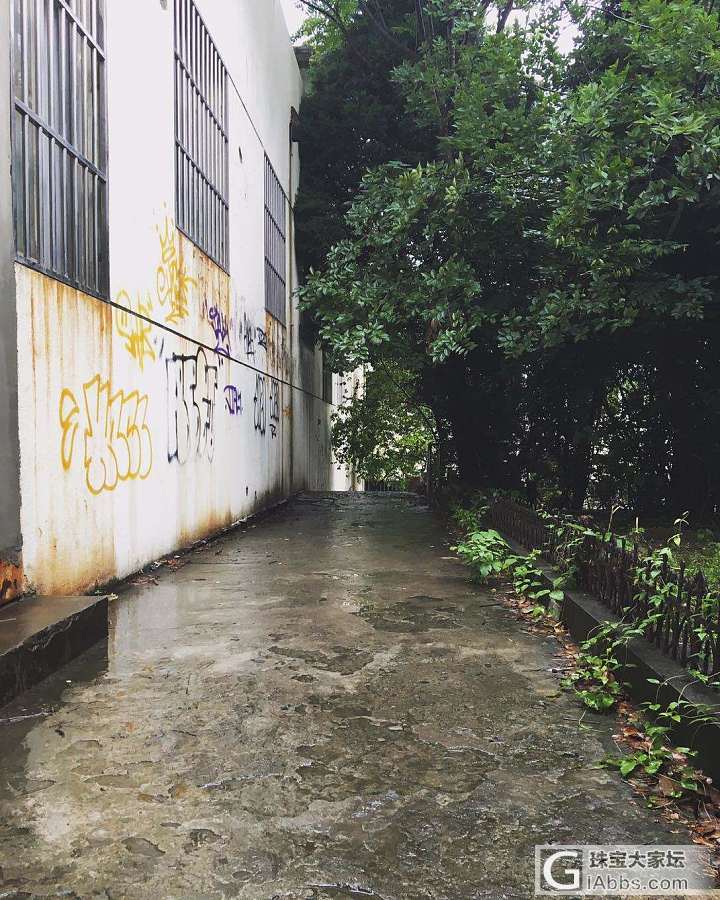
(38, 635)
(582, 614)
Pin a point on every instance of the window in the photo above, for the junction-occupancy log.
(59, 155)
(275, 260)
(201, 135)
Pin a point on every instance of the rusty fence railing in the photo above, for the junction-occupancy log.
(683, 613)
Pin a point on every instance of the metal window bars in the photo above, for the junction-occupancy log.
(59, 140)
(201, 136)
(275, 244)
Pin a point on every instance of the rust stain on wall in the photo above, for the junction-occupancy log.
(68, 542)
(12, 581)
(277, 355)
(96, 428)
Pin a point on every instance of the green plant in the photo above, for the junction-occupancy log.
(525, 234)
(379, 432)
(471, 518)
(650, 760)
(593, 679)
(531, 582)
(568, 539)
(485, 551)
(653, 755)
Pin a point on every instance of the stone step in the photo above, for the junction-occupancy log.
(40, 634)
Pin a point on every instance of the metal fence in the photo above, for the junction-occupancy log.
(685, 612)
(387, 487)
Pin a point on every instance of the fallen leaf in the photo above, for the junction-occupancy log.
(668, 786)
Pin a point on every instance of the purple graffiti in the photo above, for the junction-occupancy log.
(233, 400)
(219, 323)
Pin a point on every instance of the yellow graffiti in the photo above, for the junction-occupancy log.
(133, 329)
(172, 281)
(69, 411)
(118, 443)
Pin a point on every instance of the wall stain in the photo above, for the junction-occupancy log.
(12, 581)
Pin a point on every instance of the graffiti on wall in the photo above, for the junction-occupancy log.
(233, 400)
(191, 391)
(221, 330)
(266, 405)
(260, 409)
(117, 442)
(274, 406)
(173, 286)
(134, 330)
(172, 282)
(192, 381)
(247, 329)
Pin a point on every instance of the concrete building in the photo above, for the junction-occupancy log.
(156, 383)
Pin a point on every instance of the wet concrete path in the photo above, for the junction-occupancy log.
(321, 706)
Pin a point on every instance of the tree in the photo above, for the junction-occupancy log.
(352, 120)
(355, 116)
(546, 271)
(636, 222)
(383, 433)
(437, 254)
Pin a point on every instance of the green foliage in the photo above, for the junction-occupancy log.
(531, 582)
(321, 32)
(704, 555)
(652, 753)
(469, 518)
(485, 551)
(379, 433)
(489, 554)
(593, 678)
(531, 237)
(351, 120)
(650, 760)
(642, 147)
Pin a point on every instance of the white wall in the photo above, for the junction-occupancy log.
(113, 471)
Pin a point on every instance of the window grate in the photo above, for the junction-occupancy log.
(59, 143)
(275, 244)
(201, 135)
